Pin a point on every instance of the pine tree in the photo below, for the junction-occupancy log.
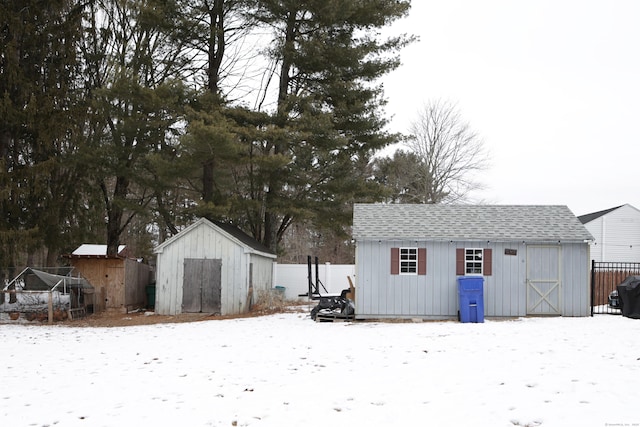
(212, 28)
(39, 130)
(134, 59)
(313, 155)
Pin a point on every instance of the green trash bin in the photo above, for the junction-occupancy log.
(151, 296)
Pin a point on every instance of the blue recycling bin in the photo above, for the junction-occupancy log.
(471, 297)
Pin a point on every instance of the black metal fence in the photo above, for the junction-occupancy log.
(605, 276)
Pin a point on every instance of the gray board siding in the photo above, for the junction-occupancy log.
(435, 295)
(575, 274)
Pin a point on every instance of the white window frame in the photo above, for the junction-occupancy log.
(472, 263)
(408, 261)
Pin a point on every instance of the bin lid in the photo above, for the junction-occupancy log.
(470, 283)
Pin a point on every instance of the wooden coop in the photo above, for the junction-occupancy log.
(120, 281)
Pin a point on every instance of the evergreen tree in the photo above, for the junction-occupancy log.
(213, 28)
(39, 127)
(399, 176)
(133, 61)
(310, 161)
(96, 124)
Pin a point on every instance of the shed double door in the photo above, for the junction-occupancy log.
(544, 288)
(201, 288)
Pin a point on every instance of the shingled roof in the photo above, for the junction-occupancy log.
(595, 215)
(467, 222)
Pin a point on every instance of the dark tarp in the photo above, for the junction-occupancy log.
(37, 280)
(629, 295)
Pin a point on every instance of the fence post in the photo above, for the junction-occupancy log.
(50, 306)
(593, 284)
(327, 275)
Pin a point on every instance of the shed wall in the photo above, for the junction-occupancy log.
(118, 282)
(576, 296)
(107, 276)
(435, 295)
(136, 279)
(205, 242)
(263, 272)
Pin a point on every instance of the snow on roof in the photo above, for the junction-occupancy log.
(94, 250)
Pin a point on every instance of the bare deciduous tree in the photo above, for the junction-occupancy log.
(450, 154)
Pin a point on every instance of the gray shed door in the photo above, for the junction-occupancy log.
(201, 285)
(543, 280)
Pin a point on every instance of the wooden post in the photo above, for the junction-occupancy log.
(50, 307)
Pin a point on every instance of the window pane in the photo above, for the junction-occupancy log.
(473, 261)
(409, 260)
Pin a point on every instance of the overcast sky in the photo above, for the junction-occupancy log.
(551, 86)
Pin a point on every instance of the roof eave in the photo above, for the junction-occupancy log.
(249, 250)
(473, 239)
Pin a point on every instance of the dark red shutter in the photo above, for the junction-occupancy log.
(395, 260)
(486, 262)
(422, 261)
(460, 262)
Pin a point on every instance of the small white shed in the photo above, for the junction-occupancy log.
(616, 232)
(211, 267)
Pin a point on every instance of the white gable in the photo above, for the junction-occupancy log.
(617, 235)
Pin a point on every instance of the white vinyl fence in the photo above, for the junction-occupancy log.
(294, 278)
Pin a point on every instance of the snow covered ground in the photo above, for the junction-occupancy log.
(286, 370)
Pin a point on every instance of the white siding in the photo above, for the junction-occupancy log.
(294, 278)
(617, 236)
(262, 273)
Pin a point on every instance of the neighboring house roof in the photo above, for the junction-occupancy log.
(231, 231)
(467, 222)
(595, 215)
(96, 251)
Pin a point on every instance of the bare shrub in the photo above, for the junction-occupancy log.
(270, 300)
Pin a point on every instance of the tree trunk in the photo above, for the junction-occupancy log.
(207, 181)
(216, 53)
(275, 180)
(270, 231)
(216, 44)
(115, 213)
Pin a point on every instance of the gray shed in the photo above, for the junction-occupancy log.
(534, 260)
(211, 267)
